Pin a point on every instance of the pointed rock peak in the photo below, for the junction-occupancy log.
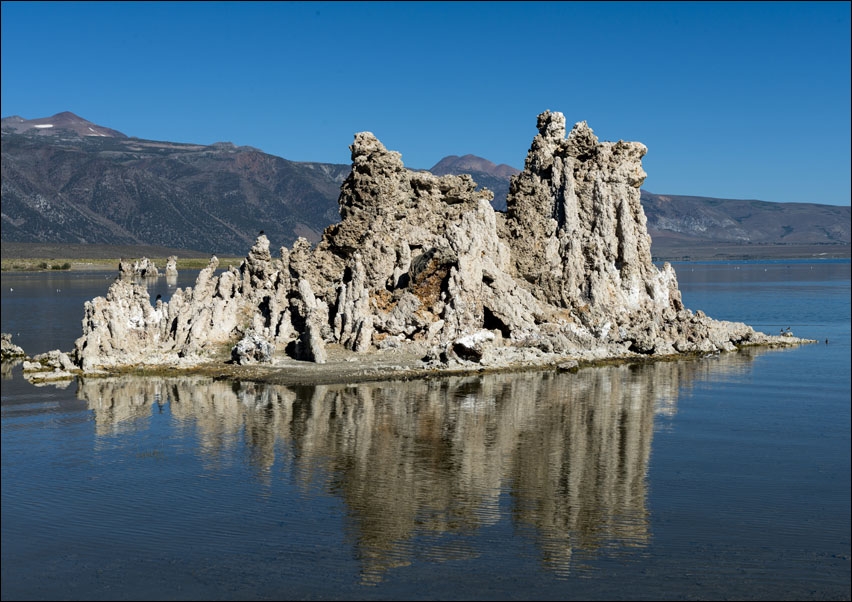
(366, 143)
(582, 139)
(551, 125)
(581, 129)
(65, 122)
(366, 149)
(68, 115)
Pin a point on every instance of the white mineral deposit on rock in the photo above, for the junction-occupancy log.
(423, 264)
(143, 268)
(8, 350)
(171, 270)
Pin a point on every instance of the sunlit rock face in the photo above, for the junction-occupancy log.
(577, 229)
(171, 270)
(143, 268)
(8, 350)
(423, 263)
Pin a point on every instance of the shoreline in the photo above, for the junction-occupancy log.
(24, 257)
(29, 264)
(348, 367)
(741, 253)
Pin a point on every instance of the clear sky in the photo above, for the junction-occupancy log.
(733, 99)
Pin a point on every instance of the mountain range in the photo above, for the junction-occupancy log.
(66, 180)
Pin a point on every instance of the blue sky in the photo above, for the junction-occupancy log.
(733, 100)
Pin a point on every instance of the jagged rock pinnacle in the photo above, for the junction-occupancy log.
(423, 263)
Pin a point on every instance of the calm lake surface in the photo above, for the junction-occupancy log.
(721, 478)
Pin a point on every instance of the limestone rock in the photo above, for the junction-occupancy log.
(171, 270)
(146, 268)
(53, 365)
(8, 350)
(251, 349)
(311, 345)
(420, 262)
(143, 268)
(471, 347)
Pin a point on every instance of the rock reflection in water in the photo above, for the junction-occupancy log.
(422, 464)
(7, 367)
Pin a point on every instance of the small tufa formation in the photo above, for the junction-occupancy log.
(171, 269)
(51, 366)
(144, 268)
(421, 263)
(252, 349)
(8, 350)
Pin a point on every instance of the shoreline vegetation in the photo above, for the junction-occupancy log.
(107, 265)
(77, 261)
(37, 257)
(41, 257)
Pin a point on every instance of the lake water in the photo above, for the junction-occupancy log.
(721, 478)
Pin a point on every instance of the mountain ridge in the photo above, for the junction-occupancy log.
(64, 121)
(78, 182)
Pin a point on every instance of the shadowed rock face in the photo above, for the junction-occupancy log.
(423, 263)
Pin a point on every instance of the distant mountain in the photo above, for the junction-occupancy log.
(701, 227)
(470, 164)
(485, 173)
(63, 186)
(747, 222)
(66, 180)
(60, 124)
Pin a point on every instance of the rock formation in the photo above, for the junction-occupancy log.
(8, 350)
(251, 349)
(51, 366)
(171, 269)
(423, 264)
(144, 268)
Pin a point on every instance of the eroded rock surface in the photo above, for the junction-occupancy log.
(52, 365)
(143, 268)
(171, 270)
(8, 349)
(420, 263)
